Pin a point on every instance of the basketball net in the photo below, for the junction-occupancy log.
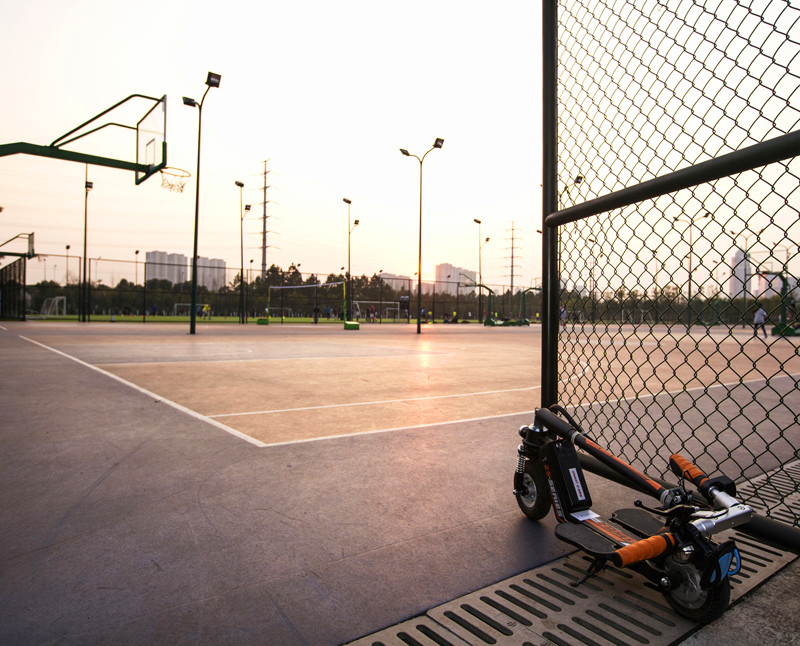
(174, 179)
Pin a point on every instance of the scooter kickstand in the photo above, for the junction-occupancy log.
(597, 566)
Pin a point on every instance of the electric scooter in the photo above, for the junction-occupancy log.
(672, 545)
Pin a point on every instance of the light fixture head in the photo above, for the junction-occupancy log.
(476, 220)
(239, 184)
(355, 223)
(246, 207)
(438, 143)
(405, 152)
(578, 179)
(89, 186)
(346, 201)
(190, 102)
(213, 79)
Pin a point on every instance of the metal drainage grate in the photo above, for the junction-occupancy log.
(616, 607)
(775, 492)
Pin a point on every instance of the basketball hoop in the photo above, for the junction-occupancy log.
(174, 179)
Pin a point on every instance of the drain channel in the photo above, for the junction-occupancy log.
(614, 608)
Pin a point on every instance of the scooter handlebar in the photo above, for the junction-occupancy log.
(643, 550)
(681, 467)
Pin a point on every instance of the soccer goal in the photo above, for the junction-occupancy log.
(391, 313)
(54, 306)
(369, 310)
(307, 309)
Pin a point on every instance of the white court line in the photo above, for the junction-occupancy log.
(390, 401)
(372, 403)
(161, 399)
(401, 428)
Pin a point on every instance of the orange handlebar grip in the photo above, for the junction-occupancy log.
(681, 466)
(647, 548)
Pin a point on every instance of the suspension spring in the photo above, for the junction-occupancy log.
(520, 463)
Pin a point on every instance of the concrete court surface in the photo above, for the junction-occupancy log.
(285, 383)
(126, 518)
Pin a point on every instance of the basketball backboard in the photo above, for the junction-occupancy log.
(151, 141)
(148, 157)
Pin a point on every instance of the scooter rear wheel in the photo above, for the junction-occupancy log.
(534, 496)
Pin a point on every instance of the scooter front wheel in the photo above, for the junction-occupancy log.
(533, 497)
(689, 599)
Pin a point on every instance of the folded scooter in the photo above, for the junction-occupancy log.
(671, 545)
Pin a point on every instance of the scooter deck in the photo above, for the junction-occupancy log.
(638, 521)
(601, 539)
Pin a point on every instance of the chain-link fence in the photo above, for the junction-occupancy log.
(12, 290)
(159, 291)
(677, 325)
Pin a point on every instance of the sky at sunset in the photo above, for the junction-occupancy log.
(328, 92)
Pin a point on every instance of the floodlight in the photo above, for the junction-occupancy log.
(190, 102)
(213, 79)
(438, 143)
(476, 220)
(346, 201)
(355, 223)
(405, 152)
(246, 207)
(239, 184)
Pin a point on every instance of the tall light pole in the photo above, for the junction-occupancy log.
(66, 277)
(136, 260)
(212, 80)
(380, 311)
(349, 275)
(349, 286)
(242, 213)
(458, 286)
(247, 292)
(690, 222)
(481, 245)
(84, 285)
(594, 256)
(438, 143)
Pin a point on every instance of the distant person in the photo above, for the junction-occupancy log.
(316, 314)
(760, 320)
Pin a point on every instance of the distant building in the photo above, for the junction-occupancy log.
(166, 266)
(397, 283)
(741, 275)
(211, 273)
(449, 278)
(175, 268)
